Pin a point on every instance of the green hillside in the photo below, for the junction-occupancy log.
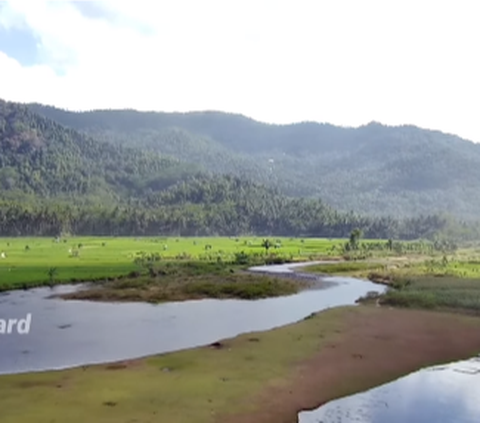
(375, 169)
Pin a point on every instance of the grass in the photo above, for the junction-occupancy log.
(462, 266)
(100, 258)
(444, 292)
(178, 281)
(439, 282)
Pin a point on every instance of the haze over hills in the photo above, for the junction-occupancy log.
(374, 169)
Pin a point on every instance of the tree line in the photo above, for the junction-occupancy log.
(226, 218)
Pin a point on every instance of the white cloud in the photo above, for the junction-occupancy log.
(346, 62)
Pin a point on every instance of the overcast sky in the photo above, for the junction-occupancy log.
(346, 62)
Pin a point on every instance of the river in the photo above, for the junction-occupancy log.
(71, 333)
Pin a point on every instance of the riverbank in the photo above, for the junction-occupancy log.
(382, 267)
(262, 377)
(450, 283)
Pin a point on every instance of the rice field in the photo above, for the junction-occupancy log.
(26, 262)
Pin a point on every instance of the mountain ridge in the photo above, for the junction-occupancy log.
(39, 106)
(375, 169)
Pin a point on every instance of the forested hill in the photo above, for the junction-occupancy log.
(375, 169)
(39, 157)
(55, 180)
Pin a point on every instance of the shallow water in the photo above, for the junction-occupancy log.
(441, 394)
(71, 333)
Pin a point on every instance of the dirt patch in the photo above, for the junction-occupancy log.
(377, 345)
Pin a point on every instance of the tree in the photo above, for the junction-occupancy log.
(390, 244)
(266, 244)
(355, 236)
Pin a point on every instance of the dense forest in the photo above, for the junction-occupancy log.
(377, 170)
(42, 158)
(55, 180)
(215, 206)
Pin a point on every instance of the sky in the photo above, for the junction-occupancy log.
(345, 62)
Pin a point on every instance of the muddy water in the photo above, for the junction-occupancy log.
(443, 394)
(71, 333)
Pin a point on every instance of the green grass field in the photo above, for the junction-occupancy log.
(28, 260)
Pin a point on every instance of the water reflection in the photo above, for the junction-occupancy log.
(71, 333)
(446, 394)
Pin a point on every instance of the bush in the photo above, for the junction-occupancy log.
(242, 258)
